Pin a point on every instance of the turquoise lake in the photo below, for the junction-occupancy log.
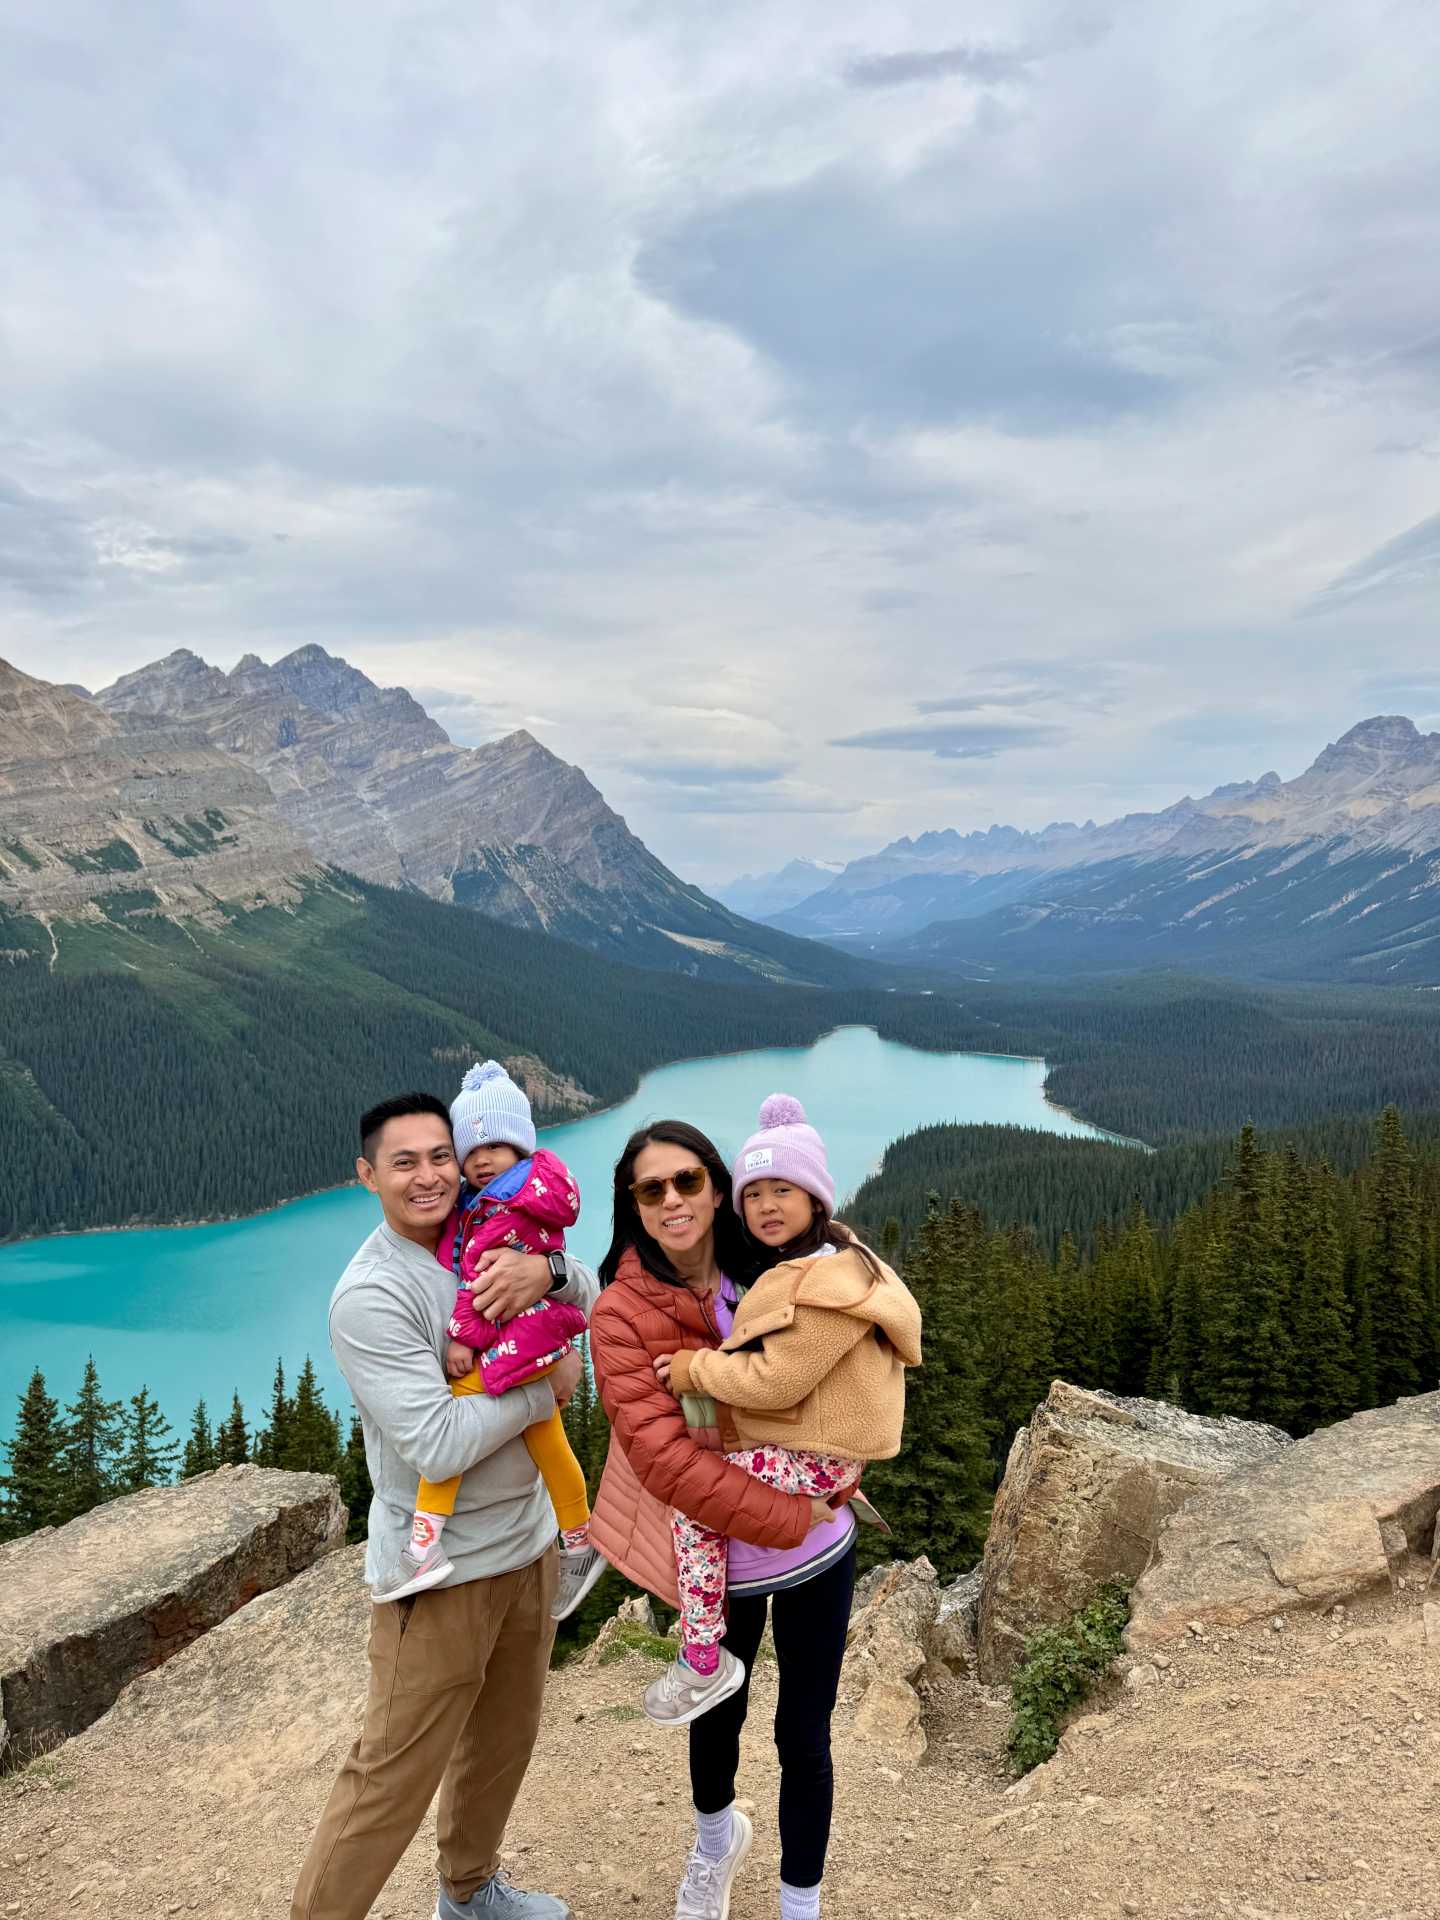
(206, 1310)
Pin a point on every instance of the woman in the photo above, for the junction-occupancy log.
(670, 1285)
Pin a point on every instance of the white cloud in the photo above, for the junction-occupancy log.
(702, 389)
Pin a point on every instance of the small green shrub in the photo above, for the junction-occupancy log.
(629, 1638)
(616, 1713)
(1060, 1666)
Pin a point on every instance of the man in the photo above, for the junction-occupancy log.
(457, 1674)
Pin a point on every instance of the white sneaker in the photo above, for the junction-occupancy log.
(681, 1694)
(580, 1568)
(705, 1889)
(417, 1571)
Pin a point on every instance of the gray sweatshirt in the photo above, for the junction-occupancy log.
(387, 1329)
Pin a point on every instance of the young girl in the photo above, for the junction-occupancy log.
(808, 1384)
(513, 1195)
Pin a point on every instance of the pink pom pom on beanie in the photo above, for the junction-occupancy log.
(786, 1147)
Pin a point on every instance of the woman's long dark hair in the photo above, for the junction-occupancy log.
(735, 1253)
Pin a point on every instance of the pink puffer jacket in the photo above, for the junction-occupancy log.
(532, 1221)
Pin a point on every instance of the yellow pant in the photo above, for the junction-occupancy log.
(550, 1449)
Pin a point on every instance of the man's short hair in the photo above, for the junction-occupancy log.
(398, 1107)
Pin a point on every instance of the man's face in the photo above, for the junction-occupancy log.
(413, 1175)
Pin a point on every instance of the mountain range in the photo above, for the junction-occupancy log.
(328, 770)
(761, 895)
(1333, 874)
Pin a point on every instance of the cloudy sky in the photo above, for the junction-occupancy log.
(817, 424)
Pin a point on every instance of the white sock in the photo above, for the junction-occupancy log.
(716, 1831)
(426, 1528)
(799, 1903)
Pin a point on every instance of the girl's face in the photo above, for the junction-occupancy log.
(677, 1222)
(487, 1163)
(777, 1211)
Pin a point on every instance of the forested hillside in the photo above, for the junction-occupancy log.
(1289, 1293)
(1054, 1185)
(234, 1059)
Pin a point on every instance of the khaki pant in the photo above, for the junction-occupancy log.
(457, 1678)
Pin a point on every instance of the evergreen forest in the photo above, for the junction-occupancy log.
(241, 1053)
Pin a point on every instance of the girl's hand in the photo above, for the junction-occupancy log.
(820, 1512)
(459, 1359)
(662, 1370)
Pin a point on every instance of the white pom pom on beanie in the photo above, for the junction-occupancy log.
(786, 1147)
(488, 1109)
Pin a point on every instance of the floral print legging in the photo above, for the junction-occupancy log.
(701, 1553)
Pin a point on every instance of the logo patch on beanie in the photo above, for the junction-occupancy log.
(759, 1157)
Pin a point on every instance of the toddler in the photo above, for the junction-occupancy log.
(809, 1384)
(512, 1195)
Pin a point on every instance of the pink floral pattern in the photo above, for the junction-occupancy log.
(701, 1553)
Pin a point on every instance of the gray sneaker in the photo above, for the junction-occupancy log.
(579, 1572)
(681, 1695)
(705, 1889)
(412, 1573)
(498, 1899)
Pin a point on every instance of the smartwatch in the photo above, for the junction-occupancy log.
(559, 1272)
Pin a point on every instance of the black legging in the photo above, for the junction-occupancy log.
(810, 1624)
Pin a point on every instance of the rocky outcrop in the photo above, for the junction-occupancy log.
(1336, 1513)
(1087, 1486)
(87, 1607)
(109, 815)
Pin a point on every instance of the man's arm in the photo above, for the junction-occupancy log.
(392, 1368)
(507, 1281)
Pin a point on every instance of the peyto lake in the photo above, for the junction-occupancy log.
(205, 1310)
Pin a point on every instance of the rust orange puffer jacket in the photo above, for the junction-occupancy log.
(657, 1460)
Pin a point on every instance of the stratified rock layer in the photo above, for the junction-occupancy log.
(87, 1607)
(1086, 1489)
(114, 813)
(1332, 1515)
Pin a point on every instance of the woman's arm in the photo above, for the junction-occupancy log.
(780, 1370)
(667, 1459)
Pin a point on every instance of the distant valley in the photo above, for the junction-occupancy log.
(1333, 875)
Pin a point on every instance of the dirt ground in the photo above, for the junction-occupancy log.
(1262, 1775)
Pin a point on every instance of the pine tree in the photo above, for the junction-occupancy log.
(149, 1447)
(232, 1440)
(356, 1489)
(200, 1454)
(311, 1442)
(1325, 1373)
(273, 1440)
(32, 1491)
(1397, 1304)
(93, 1433)
(936, 1493)
(1133, 1271)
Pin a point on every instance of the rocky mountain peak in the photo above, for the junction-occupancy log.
(1388, 736)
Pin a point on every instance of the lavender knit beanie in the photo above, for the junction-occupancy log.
(489, 1108)
(785, 1148)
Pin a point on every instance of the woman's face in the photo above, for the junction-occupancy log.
(776, 1211)
(677, 1222)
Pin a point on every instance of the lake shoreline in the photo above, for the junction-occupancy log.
(183, 1223)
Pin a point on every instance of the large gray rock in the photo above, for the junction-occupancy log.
(87, 1607)
(1335, 1513)
(1087, 1486)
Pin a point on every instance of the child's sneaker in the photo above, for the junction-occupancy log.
(419, 1567)
(681, 1694)
(580, 1568)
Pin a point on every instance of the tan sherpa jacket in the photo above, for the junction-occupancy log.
(816, 1360)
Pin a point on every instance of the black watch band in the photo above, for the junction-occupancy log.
(559, 1272)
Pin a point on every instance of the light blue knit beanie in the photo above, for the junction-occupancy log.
(489, 1108)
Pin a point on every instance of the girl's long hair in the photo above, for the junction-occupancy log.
(735, 1252)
